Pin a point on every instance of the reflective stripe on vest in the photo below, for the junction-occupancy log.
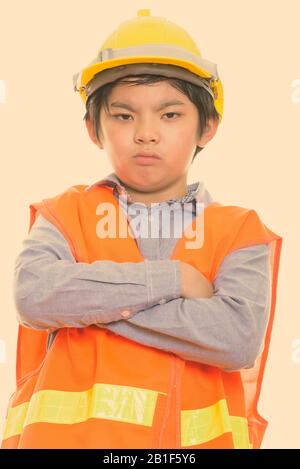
(124, 404)
(202, 425)
(107, 401)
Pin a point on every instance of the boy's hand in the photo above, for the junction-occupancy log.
(193, 283)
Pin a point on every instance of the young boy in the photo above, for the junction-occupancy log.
(144, 339)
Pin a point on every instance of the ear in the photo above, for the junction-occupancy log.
(91, 132)
(209, 133)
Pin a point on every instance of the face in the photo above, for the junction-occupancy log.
(139, 123)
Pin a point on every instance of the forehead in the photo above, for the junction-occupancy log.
(157, 92)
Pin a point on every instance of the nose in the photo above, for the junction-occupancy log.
(145, 132)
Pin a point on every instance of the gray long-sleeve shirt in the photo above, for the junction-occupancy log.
(141, 301)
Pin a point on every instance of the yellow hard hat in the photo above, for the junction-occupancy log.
(154, 45)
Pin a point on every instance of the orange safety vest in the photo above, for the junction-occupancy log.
(95, 389)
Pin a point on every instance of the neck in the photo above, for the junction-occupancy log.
(160, 195)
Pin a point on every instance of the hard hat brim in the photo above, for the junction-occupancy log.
(81, 79)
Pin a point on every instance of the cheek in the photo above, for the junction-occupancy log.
(118, 136)
(183, 141)
(183, 134)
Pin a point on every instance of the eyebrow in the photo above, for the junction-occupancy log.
(162, 105)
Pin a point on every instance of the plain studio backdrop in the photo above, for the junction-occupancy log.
(253, 161)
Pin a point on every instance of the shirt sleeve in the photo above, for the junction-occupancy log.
(52, 290)
(226, 330)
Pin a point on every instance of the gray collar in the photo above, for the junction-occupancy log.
(195, 190)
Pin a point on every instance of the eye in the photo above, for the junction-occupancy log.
(172, 113)
(118, 115)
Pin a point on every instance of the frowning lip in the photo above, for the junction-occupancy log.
(147, 155)
(146, 159)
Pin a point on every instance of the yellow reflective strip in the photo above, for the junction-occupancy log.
(113, 402)
(15, 420)
(240, 432)
(199, 426)
(106, 401)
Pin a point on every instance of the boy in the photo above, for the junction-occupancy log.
(143, 341)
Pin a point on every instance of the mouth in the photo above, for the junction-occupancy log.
(146, 159)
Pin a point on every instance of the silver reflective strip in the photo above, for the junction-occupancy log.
(158, 50)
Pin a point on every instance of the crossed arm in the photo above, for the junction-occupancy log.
(52, 290)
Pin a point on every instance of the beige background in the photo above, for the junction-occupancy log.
(252, 161)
